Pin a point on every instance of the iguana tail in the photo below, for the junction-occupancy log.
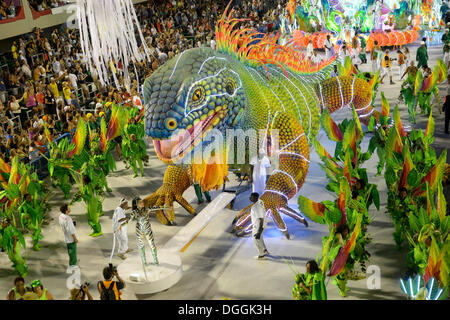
(338, 92)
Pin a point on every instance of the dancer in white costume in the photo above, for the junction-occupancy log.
(259, 223)
(120, 221)
(260, 164)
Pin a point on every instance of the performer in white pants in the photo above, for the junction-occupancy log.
(309, 50)
(259, 223)
(328, 45)
(120, 221)
(401, 63)
(260, 163)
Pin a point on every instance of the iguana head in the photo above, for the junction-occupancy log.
(187, 97)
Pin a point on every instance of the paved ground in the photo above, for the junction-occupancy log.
(218, 264)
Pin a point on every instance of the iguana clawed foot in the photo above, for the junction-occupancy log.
(164, 197)
(275, 204)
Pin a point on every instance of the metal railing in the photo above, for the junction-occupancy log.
(40, 163)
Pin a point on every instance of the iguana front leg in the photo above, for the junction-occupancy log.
(285, 181)
(175, 182)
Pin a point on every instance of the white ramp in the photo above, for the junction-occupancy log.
(189, 232)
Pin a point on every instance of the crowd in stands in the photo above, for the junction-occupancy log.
(41, 5)
(170, 27)
(9, 8)
(48, 80)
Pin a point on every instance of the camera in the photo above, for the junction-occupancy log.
(84, 285)
(112, 268)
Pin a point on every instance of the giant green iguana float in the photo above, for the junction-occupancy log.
(246, 83)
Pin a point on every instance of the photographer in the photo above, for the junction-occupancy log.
(109, 289)
(80, 294)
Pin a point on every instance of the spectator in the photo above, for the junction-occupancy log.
(18, 292)
(109, 289)
(26, 70)
(15, 107)
(67, 92)
(41, 292)
(29, 294)
(14, 50)
(3, 14)
(11, 12)
(49, 102)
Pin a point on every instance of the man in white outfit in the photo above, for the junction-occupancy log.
(70, 234)
(309, 50)
(327, 45)
(120, 221)
(316, 59)
(259, 223)
(260, 163)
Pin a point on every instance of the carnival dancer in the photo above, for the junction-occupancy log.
(401, 63)
(309, 50)
(260, 164)
(328, 46)
(422, 55)
(375, 56)
(387, 67)
(407, 54)
(9, 235)
(316, 59)
(143, 230)
(314, 284)
(70, 233)
(259, 223)
(31, 213)
(120, 221)
(90, 197)
(134, 150)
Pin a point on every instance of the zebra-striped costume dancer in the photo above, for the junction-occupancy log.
(143, 230)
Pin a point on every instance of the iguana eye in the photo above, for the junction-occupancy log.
(171, 123)
(230, 86)
(198, 95)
